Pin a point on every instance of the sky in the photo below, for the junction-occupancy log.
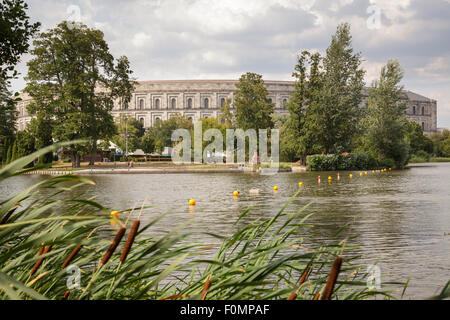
(222, 39)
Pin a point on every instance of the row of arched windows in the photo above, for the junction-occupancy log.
(205, 103)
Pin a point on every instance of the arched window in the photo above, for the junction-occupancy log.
(222, 102)
(423, 126)
(157, 103)
(173, 103)
(157, 119)
(206, 103)
(414, 109)
(284, 103)
(141, 120)
(189, 103)
(141, 104)
(423, 110)
(190, 118)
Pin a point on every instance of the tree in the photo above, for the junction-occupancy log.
(336, 111)
(385, 123)
(300, 130)
(15, 32)
(440, 140)
(131, 128)
(226, 116)
(73, 81)
(416, 139)
(253, 107)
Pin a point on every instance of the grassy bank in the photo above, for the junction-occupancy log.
(50, 232)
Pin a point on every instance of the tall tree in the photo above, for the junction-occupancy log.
(15, 33)
(253, 107)
(337, 111)
(386, 125)
(226, 116)
(299, 131)
(74, 81)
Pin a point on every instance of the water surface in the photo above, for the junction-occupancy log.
(401, 216)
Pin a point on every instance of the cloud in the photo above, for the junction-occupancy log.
(195, 39)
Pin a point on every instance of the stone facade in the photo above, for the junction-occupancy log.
(195, 99)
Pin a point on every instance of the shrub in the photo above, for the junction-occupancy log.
(332, 162)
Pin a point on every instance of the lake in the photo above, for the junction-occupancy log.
(401, 217)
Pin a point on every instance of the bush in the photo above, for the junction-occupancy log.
(422, 154)
(332, 162)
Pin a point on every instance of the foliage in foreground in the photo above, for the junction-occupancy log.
(43, 233)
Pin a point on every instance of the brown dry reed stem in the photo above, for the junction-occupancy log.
(329, 287)
(175, 296)
(294, 294)
(317, 296)
(206, 288)
(71, 255)
(66, 295)
(113, 246)
(7, 215)
(39, 262)
(130, 240)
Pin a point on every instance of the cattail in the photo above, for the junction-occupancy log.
(206, 288)
(7, 215)
(129, 243)
(294, 294)
(113, 246)
(317, 296)
(329, 287)
(66, 295)
(39, 262)
(71, 255)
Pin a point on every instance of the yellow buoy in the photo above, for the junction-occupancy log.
(373, 171)
(330, 178)
(389, 169)
(236, 193)
(365, 172)
(350, 175)
(114, 214)
(275, 188)
(192, 202)
(361, 174)
(300, 184)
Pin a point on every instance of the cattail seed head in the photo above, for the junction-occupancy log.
(7, 215)
(205, 288)
(39, 262)
(329, 287)
(294, 294)
(66, 295)
(71, 256)
(130, 240)
(113, 246)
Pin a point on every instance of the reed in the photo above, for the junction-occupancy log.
(71, 255)
(66, 295)
(332, 278)
(130, 240)
(39, 261)
(113, 246)
(206, 287)
(7, 215)
(302, 280)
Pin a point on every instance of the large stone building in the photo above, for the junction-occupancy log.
(195, 99)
